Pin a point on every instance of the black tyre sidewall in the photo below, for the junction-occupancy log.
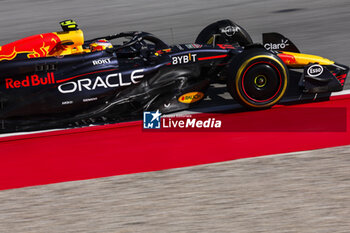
(240, 65)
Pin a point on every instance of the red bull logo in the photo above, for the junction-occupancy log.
(31, 47)
(30, 81)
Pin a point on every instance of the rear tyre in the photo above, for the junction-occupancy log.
(257, 79)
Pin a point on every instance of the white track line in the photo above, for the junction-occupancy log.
(345, 92)
(27, 133)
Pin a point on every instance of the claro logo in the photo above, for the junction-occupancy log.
(112, 80)
(284, 44)
(191, 97)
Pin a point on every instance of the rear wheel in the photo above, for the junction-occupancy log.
(257, 79)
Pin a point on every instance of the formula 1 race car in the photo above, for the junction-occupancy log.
(60, 80)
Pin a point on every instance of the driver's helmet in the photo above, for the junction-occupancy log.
(100, 45)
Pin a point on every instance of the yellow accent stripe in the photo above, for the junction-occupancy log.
(9, 57)
(305, 59)
(239, 73)
(210, 41)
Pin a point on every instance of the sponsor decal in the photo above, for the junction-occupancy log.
(111, 81)
(101, 61)
(30, 81)
(151, 120)
(184, 59)
(191, 97)
(229, 30)
(197, 46)
(67, 102)
(193, 46)
(89, 99)
(280, 46)
(314, 70)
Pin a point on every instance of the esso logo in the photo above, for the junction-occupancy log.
(315, 70)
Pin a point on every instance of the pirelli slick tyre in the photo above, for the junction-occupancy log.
(257, 79)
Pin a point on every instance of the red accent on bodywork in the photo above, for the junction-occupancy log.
(287, 58)
(32, 46)
(225, 46)
(342, 78)
(214, 57)
(80, 75)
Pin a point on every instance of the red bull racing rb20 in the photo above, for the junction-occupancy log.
(62, 80)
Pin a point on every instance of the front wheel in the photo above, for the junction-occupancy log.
(257, 79)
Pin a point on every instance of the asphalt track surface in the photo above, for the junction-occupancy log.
(303, 192)
(298, 192)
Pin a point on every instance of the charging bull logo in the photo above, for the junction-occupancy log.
(31, 47)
